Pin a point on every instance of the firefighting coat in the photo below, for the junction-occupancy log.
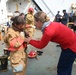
(18, 57)
(30, 24)
(29, 19)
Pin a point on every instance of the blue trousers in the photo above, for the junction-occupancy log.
(65, 63)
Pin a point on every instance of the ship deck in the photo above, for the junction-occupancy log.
(46, 63)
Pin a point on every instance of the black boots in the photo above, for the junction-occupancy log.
(6, 52)
(3, 63)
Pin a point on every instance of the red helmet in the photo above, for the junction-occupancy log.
(32, 54)
(30, 9)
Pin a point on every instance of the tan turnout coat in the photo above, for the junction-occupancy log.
(18, 58)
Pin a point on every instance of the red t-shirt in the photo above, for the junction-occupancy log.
(58, 33)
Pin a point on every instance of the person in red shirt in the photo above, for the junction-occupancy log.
(58, 33)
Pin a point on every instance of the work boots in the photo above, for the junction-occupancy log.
(3, 63)
(7, 52)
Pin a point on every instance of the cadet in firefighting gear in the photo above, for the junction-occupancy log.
(30, 28)
(14, 40)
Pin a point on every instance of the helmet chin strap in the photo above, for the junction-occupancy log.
(21, 30)
(16, 28)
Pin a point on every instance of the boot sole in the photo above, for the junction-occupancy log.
(3, 70)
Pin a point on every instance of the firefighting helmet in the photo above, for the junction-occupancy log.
(30, 10)
(32, 54)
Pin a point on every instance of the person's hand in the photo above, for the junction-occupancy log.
(27, 40)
